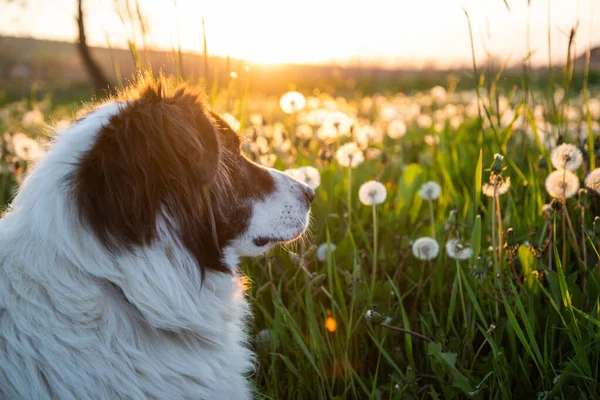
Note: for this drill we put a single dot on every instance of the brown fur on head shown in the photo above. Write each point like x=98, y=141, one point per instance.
x=165, y=154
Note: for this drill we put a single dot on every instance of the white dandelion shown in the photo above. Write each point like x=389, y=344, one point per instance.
x=592, y=181
x=26, y=148
x=295, y=173
x=425, y=248
x=231, y=121
x=456, y=250
x=430, y=190
x=372, y=193
x=562, y=184
x=312, y=177
x=322, y=251
x=337, y=124
x=307, y=175
x=349, y=155
x=396, y=129
x=566, y=156
x=33, y=117
x=304, y=131
x=498, y=187
x=292, y=102
x=431, y=140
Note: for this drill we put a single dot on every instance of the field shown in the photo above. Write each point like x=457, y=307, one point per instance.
x=472, y=271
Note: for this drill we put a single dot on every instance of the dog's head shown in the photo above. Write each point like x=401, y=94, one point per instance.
x=164, y=164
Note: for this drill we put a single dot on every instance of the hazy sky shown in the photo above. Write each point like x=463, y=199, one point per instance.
x=375, y=31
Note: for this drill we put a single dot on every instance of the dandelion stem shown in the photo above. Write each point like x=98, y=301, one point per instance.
x=583, y=243
x=499, y=215
x=412, y=333
x=374, y=272
x=421, y=284
x=495, y=255
x=349, y=197
x=432, y=218
x=564, y=222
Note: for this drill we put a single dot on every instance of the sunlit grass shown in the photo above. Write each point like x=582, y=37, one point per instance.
x=507, y=307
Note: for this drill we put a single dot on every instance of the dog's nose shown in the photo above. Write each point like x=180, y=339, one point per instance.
x=309, y=194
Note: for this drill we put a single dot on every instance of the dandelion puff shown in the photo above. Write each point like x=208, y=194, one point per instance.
x=292, y=102
x=592, y=181
x=372, y=193
x=396, y=129
x=425, y=248
x=349, y=155
x=295, y=173
x=562, y=184
x=498, y=187
x=456, y=250
x=231, y=121
x=338, y=123
x=430, y=190
x=33, y=117
x=26, y=148
x=566, y=156
x=263, y=337
x=304, y=131
x=322, y=251
x=312, y=177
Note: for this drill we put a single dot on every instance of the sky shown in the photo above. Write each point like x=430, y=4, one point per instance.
x=378, y=32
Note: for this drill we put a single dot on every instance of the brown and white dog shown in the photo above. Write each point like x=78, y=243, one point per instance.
x=119, y=255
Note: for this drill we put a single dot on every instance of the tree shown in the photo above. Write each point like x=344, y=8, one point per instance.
x=94, y=71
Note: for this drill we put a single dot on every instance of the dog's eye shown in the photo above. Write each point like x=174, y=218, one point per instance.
x=261, y=241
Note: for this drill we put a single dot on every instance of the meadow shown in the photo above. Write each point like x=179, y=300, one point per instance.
x=468, y=269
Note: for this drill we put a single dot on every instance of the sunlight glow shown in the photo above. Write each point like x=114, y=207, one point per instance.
x=382, y=33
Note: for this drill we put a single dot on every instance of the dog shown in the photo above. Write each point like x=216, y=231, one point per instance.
x=119, y=254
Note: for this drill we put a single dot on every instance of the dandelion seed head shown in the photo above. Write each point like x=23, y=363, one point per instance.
x=396, y=129
x=32, y=118
x=322, y=251
x=425, y=248
x=26, y=148
x=263, y=337
x=432, y=140
x=372, y=193
x=430, y=190
x=338, y=123
x=562, y=184
x=457, y=251
x=566, y=156
x=304, y=131
x=231, y=121
x=307, y=175
x=292, y=102
x=349, y=155
x=592, y=181
x=497, y=187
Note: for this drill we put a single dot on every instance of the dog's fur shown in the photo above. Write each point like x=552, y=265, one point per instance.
x=118, y=256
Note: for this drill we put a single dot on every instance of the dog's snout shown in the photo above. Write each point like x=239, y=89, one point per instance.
x=309, y=193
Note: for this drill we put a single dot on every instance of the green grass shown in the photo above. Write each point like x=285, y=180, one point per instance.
x=442, y=328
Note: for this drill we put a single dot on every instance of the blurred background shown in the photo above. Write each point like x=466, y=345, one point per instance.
x=66, y=45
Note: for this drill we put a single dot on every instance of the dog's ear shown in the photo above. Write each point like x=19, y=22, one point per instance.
x=155, y=157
